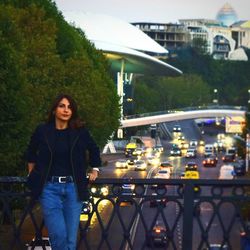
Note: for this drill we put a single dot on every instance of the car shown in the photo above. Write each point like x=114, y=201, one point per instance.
x=175, y=151
x=191, y=153
x=140, y=165
x=228, y=158
x=177, y=128
x=157, y=201
x=239, y=167
x=152, y=160
x=131, y=161
x=157, y=236
x=162, y=174
x=227, y=172
x=191, y=174
x=210, y=161
x=86, y=207
x=39, y=244
x=191, y=166
x=122, y=163
x=99, y=190
x=159, y=148
x=126, y=195
x=193, y=143
x=138, y=152
x=167, y=165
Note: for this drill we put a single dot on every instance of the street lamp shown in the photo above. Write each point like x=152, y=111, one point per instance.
x=215, y=100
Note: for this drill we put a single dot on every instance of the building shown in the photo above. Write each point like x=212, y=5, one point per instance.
x=223, y=36
x=169, y=35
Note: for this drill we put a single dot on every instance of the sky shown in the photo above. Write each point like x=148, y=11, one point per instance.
x=154, y=10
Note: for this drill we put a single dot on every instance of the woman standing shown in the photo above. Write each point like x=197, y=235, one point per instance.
x=58, y=156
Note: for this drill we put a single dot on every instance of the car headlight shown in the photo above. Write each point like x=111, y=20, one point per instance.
x=104, y=191
x=93, y=190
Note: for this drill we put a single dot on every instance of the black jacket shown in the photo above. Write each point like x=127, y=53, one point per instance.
x=41, y=149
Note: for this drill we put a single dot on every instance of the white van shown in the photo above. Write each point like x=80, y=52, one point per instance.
x=209, y=150
x=226, y=172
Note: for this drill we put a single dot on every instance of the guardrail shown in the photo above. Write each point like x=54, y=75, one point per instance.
x=193, y=213
x=227, y=107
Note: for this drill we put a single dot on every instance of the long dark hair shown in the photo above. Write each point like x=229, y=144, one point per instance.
x=74, y=121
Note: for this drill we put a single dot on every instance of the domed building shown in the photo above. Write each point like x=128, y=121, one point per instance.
x=227, y=15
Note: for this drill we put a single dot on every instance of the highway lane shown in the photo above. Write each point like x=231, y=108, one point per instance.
x=170, y=213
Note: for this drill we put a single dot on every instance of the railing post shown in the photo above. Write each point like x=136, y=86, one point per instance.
x=188, y=212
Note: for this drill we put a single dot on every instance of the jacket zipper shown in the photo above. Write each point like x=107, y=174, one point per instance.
x=72, y=165
x=50, y=162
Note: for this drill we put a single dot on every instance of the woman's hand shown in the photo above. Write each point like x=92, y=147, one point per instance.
x=93, y=175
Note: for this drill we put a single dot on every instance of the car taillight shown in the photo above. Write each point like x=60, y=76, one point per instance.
x=204, y=162
x=212, y=162
x=157, y=230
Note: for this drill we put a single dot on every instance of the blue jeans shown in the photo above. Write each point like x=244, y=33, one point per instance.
x=61, y=210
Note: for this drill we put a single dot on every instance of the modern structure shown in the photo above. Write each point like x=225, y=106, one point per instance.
x=227, y=15
x=127, y=48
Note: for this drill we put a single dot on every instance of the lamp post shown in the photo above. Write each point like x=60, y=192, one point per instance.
x=215, y=100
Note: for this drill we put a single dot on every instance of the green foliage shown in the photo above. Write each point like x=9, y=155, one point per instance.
x=166, y=93
x=40, y=56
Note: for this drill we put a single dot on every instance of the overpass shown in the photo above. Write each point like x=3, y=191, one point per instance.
x=185, y=114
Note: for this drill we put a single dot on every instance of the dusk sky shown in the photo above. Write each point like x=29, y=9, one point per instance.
x=155, y=10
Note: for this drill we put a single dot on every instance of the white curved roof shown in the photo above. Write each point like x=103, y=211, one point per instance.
x=122, y=42
x=98, y=27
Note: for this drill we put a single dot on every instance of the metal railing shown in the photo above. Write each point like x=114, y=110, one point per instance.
x=193, y=213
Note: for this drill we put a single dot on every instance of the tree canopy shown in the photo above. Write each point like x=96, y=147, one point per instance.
x=41, y=55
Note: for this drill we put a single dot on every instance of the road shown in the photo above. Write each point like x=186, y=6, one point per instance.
x=126, y=219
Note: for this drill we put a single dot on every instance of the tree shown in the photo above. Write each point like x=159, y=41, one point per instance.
x=36, y=65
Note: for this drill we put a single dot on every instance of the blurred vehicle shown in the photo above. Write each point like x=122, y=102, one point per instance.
x=167, y=165
x=138, y=152
x=99, y=190
x=159, y=148
x=122, y=163
x=193, y=143
x=177, y=128
x=86, y=207
x=152, y=160
x=228, y=158
x=130, y=148
x=191, y=153
x=175, y=151
x=210, y=161
x=184, y=145
x=140, y=165
x=39, y=244
x=131, y=161
x=163, y=174
x=182, y=175
x=209, y=150
x=191, y=174
x=227, y=172
x=126, y=195
x=191, y=166
x=239, y=167
x=157, y=201
x=232, y=151
x=181, y=138
x=157, y=236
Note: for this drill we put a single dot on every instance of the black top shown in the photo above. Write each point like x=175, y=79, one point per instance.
x=61, y=160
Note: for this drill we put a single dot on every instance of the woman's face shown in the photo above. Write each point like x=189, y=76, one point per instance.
x=63, y=111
